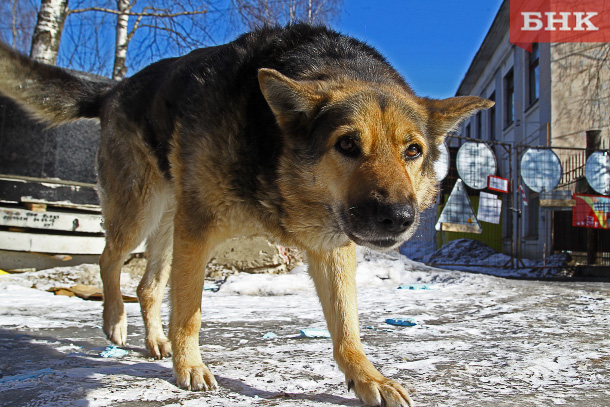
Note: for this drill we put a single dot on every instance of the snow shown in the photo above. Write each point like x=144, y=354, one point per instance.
x=480, y=341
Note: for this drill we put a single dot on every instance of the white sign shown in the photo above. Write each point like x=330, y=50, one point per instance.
x=475, y=163
x=441, y=166
x=498, y=184
x=541, y=169
x=597, y=171
x=490, y=208
x=458, y=211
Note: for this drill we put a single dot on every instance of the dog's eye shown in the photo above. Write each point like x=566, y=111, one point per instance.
x=413, y=151
x=347, y=146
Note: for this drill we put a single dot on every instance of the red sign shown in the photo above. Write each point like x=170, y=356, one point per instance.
x=591, y=211
x=497, y=184
x=558, y=21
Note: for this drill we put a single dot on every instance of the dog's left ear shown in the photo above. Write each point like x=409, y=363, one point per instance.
x=290, y=100
x=446, y=114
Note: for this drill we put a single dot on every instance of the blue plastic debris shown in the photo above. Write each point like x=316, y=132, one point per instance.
x=269, y=335
x=211, y=287
x=416, y=287
x=401, y=321
x=112, y=351
x=314, y=333
x=25, y=376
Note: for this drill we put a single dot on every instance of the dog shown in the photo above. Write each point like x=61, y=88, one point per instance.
x=298, y=133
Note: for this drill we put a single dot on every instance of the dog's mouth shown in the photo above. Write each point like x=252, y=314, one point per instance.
x=375, y=244
x=363, y=233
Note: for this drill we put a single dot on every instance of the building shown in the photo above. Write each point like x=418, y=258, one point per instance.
x=549, y=97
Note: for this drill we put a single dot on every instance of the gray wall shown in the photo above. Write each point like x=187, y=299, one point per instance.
x=30, y=148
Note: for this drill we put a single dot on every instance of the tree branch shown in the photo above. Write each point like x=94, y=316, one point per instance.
x=140, y=14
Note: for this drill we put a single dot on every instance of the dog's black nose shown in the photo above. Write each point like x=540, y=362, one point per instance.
x=395, y=218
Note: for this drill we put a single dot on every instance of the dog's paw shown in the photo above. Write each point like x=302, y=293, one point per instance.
x=159, y=346
x=115, y=327
x=195, y=378
x=380, y=392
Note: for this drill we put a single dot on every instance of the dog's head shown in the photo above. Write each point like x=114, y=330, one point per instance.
x=365, y=150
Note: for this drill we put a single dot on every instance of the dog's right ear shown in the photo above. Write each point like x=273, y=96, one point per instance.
x=290, y=100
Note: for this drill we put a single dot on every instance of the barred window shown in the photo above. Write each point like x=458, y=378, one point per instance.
x=534, y=75
x=509, y=98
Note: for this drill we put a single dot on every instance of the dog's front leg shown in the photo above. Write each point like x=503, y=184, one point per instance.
x=334, y=275
x=190, y=255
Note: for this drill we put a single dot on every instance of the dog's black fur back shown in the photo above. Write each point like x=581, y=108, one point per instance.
x=194, y=86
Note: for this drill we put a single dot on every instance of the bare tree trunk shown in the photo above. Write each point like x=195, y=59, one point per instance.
x=47, y=34
x=14, y=23
x=122, y=40
x=292, y=11
x=310, y=12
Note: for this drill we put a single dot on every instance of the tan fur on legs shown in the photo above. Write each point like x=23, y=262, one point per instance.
x=131, y=212
x=334, y=275
x=115, y=321
x=152, y=286
x=187, y=277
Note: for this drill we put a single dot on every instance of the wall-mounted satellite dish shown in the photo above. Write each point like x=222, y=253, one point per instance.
x=541, y=169
x=475, y=163
x=441, y=166
x=597, y=171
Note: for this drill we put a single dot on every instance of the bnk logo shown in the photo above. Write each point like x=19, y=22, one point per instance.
x=559, y=21
x=532, y=21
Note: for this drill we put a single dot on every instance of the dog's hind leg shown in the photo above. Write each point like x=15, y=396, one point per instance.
x=111, y=261
x=334, y=275
x=152, y=285
x=132, y=209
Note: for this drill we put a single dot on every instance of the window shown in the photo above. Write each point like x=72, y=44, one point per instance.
x=467, y=133
x=533, y=215
x=509, y=98
x=534, y=75
x=492, y=118
x=479, y=126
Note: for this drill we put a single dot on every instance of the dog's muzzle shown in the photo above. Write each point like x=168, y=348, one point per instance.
x=380, y=225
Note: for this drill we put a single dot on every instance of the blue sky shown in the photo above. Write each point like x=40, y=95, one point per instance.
x=431, y=43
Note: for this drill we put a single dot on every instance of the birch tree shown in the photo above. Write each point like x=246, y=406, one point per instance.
x=159, y=28
x=47, y=34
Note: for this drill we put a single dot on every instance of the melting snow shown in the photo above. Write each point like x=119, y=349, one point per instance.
x=479, y=341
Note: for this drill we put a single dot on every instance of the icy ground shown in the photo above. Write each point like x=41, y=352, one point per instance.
x=480, y=341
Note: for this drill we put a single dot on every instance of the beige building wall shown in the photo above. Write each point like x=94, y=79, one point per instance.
x=580, y=92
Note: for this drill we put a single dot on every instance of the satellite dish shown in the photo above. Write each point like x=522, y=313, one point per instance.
x=441, y=166
x=541, y=169
x=475, y=163
x=597, y=172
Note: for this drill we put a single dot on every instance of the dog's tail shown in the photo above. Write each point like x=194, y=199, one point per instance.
x=50, y=93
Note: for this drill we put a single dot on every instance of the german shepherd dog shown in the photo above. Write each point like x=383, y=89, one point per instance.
x=298, y=133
